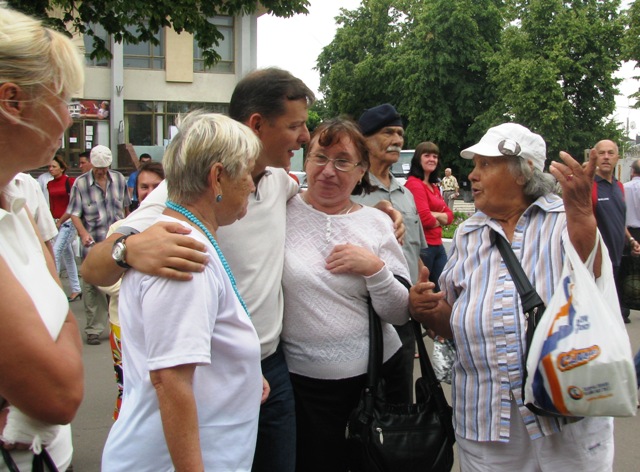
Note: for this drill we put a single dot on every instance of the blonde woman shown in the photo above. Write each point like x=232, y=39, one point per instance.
x=41, y=376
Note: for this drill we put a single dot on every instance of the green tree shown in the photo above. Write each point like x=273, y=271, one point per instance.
x=148, y=17
x=631, y=42
x=453, y=68
x=554, y=72
x=444, y=73
x=425, y=57
x=357, y=67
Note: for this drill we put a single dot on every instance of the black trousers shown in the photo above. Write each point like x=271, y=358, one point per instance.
x=322, y=411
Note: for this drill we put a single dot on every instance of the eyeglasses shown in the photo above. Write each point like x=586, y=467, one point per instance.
x=343, y=165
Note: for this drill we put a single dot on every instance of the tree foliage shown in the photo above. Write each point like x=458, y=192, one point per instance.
x=148, y=17
x=555, y=72
x=443, y=64
x=356, y=69
x=453, y=68
x=631, y=45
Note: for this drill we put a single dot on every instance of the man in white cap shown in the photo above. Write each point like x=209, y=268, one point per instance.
x=98, y=199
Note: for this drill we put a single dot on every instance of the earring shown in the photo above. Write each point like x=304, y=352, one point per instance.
x=218, y=198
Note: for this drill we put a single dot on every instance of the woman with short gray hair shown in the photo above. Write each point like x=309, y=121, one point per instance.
x=191, y=355
x=479, y=306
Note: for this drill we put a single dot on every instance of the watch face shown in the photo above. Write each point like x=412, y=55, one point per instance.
x=118, y=251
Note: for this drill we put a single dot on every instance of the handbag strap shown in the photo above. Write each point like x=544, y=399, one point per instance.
x=376, y=346
x=532, y=304
x=40, y=463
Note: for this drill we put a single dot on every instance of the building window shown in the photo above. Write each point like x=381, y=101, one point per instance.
x=149, y=123
x=226, y=48
x=99, y=32
x=144, y=55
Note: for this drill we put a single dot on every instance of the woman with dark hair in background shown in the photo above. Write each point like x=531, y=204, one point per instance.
x=338, y=254
x=59, y=189
x=432, y=209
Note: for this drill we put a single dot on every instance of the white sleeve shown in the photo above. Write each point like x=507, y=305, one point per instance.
x=147, y=213
x=38, y=206
x=42, y=216
x=389, y=297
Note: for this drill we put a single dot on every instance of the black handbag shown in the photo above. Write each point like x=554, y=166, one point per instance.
x=384, y=437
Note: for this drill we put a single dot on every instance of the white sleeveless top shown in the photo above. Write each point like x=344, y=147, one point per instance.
x=21, y=249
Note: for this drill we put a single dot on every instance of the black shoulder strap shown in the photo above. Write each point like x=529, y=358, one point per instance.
x=528, y=295
x=67, y=185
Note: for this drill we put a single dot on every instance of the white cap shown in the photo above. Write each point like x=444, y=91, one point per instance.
x=510, y=139
x=101, y=156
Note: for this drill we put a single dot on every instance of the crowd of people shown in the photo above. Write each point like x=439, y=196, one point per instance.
x=236, y=304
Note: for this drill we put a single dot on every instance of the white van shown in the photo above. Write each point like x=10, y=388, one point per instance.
x=400, y=169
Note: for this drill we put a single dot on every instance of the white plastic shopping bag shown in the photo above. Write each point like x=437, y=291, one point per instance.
x=580, y=361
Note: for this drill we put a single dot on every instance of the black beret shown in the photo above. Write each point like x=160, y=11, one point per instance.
x=377, y=118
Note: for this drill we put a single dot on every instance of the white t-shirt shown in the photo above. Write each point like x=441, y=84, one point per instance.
x=253, y=246
x=326, y=322
x=22, y=251
x=166, y=323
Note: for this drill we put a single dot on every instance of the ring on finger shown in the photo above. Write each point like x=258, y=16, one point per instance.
x=570, y=177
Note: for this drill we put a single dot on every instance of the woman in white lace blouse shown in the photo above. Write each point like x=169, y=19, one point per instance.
x=338, y=253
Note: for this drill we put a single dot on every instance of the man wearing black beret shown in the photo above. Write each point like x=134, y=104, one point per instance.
x=384, y=133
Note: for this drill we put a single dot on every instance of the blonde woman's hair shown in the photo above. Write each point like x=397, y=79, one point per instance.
x=36, y=58
x=203, y=140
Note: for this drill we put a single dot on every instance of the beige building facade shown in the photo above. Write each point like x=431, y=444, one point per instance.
x=135, y=97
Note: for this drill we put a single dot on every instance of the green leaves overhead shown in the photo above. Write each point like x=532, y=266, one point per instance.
x=148, y=16
x=453, y=68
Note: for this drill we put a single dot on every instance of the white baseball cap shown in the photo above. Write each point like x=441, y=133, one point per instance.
x=101, y=156
x=510, y=139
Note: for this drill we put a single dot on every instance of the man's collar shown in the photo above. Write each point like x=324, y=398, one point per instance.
x=393, y=182
x=599, y=178
x=92, y=177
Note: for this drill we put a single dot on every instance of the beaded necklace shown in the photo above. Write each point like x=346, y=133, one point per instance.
x=191, y=217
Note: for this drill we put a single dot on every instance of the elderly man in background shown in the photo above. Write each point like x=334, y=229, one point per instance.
x=98, y=199
x=610, y=209
x=450, y=188
x=384, y=134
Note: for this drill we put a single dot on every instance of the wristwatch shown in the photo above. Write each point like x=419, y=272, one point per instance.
x=119, y=251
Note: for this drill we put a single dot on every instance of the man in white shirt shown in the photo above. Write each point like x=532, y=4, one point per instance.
x=273, y=103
